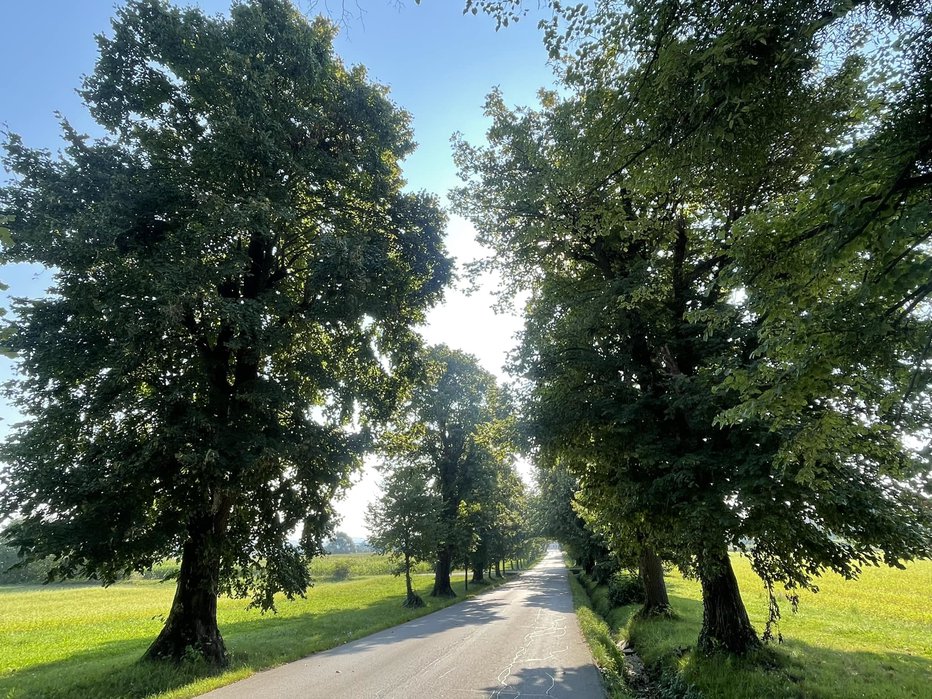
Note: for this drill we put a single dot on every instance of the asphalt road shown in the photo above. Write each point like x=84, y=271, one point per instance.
x=518, y=640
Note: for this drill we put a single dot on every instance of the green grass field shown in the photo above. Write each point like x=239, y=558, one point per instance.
x=351, y=565
x=84, y=641
x=869, y=638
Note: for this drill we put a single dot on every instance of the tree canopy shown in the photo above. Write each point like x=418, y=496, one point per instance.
x=457, y=425
x=340, y=542
x=404, y=522
x=237, y=272
x=724, y=235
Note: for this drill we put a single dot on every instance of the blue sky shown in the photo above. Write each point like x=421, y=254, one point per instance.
x=439, y=63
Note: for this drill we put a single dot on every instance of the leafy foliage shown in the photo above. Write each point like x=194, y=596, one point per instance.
x=710, y=382
x=14, y=571
x=404, y=521
x=236, y=275
x=457, y=428
x=558, y=519
x=340, y=542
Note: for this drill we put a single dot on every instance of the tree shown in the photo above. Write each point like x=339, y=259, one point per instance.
x=403, y=522
x=340, y=542
x=493, y=509
x=5, y=241
x=450, y=424
x=591, y=535
x=236, y=276
x=509, y=508
x=838, y=274
x=638, y=212
x=556, y=520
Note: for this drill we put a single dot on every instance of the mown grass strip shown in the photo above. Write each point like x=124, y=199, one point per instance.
x=64, y=642
x=608, y=658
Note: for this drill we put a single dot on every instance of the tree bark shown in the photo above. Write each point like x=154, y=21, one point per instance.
x=192, y=622
x=453, y=446
x=498, y=568
x=412, y=599
x=479, y=563
x=725, y=623
x=650, y=568
x=442, y=586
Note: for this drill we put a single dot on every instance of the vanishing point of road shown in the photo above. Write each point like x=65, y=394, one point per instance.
x=517, y=640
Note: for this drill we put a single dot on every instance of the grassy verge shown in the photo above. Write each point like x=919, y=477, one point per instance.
x=608, y=658
x=82, y=641
x=869, y=638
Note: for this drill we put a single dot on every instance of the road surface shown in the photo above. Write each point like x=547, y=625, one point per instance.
x=518, y=640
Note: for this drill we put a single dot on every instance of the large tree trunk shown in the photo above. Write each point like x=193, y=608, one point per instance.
x=650, y=568
x=725, y=623
x=498, y=568
x=442, y=586
x=192, y=622
x=479, y=563
x=448, y=468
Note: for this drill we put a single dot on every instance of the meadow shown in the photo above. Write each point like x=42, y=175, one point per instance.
x=80, y=641
x=868, y=638
x=340, y=566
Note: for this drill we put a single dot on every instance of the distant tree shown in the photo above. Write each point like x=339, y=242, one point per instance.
x=557, y=520
x=492, y=500
x=450, y=424
x=237, y=272
x=14, y=570
x=507, y=507
x=404, y=521
x=340, y=542
x=473, y=531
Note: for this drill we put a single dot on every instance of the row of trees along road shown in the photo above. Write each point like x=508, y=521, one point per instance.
x=237, y=273
x=721, y=220
x=722, y=224
x=451, y=491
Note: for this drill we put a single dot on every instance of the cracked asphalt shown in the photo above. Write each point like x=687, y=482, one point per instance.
x=518, y=640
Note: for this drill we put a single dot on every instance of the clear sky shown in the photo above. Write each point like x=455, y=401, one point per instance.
x=439, y=64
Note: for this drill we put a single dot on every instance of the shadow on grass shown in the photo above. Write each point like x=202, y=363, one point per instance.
x=114, y=669
x=110, y=669
x=791, y=669
x=828, y=672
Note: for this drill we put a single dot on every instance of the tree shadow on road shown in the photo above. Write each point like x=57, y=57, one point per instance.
x=581, y=682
